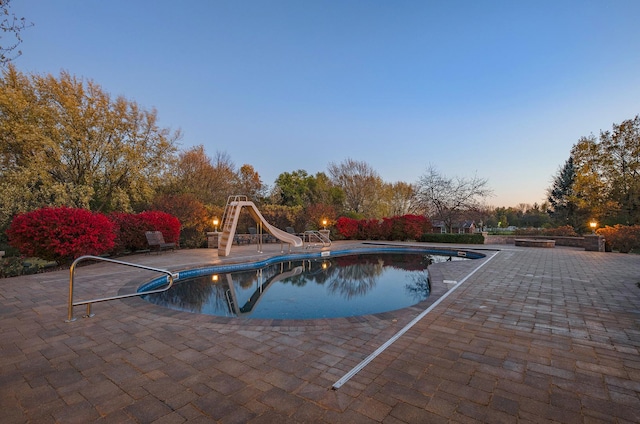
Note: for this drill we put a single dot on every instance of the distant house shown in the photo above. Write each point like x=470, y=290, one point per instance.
x=463, y=227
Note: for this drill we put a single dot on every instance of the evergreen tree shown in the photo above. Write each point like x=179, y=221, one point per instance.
x=563, y=208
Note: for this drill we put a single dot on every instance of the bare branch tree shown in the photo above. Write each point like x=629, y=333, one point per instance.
x=10, y=24
x=361, y=185
x=447, y=199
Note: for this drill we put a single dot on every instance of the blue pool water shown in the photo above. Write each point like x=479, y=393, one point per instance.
x=315, y=287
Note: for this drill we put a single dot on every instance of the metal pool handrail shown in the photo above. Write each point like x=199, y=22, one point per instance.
x=72, y=271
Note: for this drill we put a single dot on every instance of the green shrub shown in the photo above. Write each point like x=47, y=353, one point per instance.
x=565, y=231
x=12, y=266
x=453, y=238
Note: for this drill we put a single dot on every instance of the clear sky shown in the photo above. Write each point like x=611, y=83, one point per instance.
x=497, y=89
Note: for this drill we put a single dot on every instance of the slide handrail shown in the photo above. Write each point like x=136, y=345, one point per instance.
x=326, y=241
x=72, y=271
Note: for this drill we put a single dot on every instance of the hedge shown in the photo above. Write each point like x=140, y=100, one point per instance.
x=63, y=234
x=453, y=238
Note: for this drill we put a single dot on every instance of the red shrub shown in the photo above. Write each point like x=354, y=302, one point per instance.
x=412, y=227
x=347, y=227
x=168, y=224
x=129, y=230
x=369, y=229
x=406, y=227
x=61, y=234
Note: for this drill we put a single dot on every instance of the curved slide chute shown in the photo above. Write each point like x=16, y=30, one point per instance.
x=234, y=207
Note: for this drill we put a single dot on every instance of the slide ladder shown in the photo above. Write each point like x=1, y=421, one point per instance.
x=230, y=223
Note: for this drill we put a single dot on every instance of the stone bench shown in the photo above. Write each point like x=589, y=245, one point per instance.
x=535, y=243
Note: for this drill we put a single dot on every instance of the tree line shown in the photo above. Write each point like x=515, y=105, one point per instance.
x=67, y=142
x=600, y=181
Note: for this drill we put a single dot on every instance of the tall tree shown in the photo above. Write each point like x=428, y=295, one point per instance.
x=621, y=167
x=563, y=207
x=591, y=188
x=65, y=141
x=361, y=185
x=249, y=183
x=292, y=188
x=211, y=181
x=448, y=199
x=399, y=199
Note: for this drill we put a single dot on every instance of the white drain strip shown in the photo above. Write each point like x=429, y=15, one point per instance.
x=406, y=328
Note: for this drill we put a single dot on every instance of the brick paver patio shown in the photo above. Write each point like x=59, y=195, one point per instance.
x=534, y=335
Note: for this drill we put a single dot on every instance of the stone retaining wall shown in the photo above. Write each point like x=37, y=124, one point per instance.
x=584, y=242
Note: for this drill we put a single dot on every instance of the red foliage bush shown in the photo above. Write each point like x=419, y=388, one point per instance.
x=347, y=227
x=622, y=238
x=406, y=227
x=414, y=226
x=129, y=229
x=168, y=224
x=61, y=234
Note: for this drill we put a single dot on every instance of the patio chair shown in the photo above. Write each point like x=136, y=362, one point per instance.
x=157, y=243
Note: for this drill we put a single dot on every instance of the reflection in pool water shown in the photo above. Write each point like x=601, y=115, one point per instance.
x=312, y=288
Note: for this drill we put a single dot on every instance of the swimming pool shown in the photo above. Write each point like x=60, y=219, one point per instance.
x=320, y=285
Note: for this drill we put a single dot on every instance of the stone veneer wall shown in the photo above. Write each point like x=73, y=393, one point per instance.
x=560, y=241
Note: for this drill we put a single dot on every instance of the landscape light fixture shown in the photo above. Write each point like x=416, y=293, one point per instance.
x=324, y=223
x=215, y=224
x=593, y=225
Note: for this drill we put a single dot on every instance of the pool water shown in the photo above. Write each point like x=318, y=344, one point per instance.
x=333, y=287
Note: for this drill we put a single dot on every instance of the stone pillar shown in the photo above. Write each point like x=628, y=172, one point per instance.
x=212, y=239
x=594, y=243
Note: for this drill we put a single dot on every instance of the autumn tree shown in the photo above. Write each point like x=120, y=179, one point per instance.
x=591, y=188
x=249, y=183
x=398, y=199
x=601, y=180
x=211, y=181
x=361, y=185
x=621, y=168
x=448, y=199
x=65, y=141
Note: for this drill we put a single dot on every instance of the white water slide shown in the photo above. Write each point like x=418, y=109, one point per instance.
x=230, y=222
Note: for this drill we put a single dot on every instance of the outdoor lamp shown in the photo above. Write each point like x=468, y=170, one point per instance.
x=324, y=223
x=593, y=225
x=215, y=223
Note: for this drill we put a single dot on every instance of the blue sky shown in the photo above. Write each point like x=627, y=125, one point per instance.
x=497, y=89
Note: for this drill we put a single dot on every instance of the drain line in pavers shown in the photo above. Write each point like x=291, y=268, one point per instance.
x=406, y=328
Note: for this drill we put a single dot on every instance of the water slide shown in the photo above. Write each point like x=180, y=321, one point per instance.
x=247, y=308
x=234, y=207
